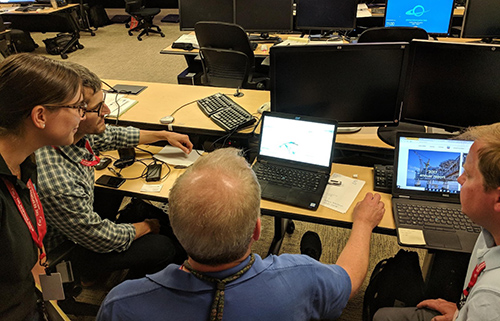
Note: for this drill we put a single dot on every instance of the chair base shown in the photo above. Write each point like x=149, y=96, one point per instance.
x=146, y=26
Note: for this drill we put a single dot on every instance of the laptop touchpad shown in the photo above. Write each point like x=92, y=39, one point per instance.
x=442, y=239
x=278, y=192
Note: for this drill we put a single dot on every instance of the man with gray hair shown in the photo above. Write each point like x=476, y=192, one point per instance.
x=215, y=214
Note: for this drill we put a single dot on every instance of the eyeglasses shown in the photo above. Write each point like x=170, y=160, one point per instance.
x=97, y=109
x=81, y=107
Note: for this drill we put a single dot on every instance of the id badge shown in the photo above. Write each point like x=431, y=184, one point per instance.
x=52, y=287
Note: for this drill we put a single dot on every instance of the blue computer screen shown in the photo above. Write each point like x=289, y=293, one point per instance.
x=434, y=16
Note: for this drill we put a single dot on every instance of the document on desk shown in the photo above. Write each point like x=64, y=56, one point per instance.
x=363, y=11
x=117, y=102
x=188, y=38
x=174, y=156
x=340, y=197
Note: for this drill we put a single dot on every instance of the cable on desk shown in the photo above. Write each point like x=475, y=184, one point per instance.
x=186, y=104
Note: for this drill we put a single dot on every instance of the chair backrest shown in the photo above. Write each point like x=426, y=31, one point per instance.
x=392, y=34
x=225, y=68
x=222, y=35
x=133, y=6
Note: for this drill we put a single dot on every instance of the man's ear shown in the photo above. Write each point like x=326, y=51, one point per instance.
x=497, y=200
x=256, y=231
x=39, y=116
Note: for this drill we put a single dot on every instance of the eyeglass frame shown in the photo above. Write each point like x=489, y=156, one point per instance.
x=99, y=105
x=82, y=107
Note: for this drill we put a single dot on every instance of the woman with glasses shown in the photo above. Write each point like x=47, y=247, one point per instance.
x=41, y=103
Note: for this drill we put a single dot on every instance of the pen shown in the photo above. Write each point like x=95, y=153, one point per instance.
x=112, y=170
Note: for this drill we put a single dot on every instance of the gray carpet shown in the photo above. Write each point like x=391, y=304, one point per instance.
x=113, y=54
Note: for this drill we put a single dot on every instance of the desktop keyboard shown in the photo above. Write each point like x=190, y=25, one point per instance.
x=223, y=111
x=435, y=218
x=308, y=181
x=382, y=178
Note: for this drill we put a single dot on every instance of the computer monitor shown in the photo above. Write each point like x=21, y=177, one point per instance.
x=326, y=14
x=21, y=2
x=356, y=84
x=481, y=19
x=452, y=85
x=264, y=15
x=192, y=11
x=434, y=16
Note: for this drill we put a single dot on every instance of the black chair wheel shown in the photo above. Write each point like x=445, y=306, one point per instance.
x=290, y=228
x=127, y=25
x=130, y=33
x=80, y=46
x=92, y=33
x=139, y=38
x=162, y=35
x=64, y=56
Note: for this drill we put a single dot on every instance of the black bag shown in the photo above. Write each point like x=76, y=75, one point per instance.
x=21, y=41
x=395, y=282
x=98, y=16
x=55, y=45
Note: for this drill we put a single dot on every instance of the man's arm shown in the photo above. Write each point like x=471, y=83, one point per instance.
x=177, y=140
x=355, y=255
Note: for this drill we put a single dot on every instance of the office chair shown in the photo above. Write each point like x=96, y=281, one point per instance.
x=392, y=34
x=144, y=17
x=227, y=56
x=6, y=48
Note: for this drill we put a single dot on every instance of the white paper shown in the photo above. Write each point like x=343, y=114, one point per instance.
x=174, y=156
x=363, y=11
x=341, y=197
x=153, y=188
x=411, y=236
x=188, y=38
x=113, y=101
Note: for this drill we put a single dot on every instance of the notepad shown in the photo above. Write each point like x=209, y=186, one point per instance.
x=118, y=104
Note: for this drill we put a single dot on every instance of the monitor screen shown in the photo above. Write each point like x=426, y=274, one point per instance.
x=434, y=16
x=326, y=14
x=452, y=85
x=356, y=84
x=192, y=11
x=23, y=2
x=481, y=19
x=264, y=15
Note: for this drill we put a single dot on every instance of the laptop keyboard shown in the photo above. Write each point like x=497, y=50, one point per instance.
x=435, y=218
x=290, y=177
x=223, y=111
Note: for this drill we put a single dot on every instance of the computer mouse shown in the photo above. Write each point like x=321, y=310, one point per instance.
x=167, y=119
x=265, y=107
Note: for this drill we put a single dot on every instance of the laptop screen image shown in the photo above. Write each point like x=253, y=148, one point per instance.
x=297, y=140
x=430, y=165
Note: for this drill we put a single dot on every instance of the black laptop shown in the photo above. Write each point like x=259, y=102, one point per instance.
x=295, y=158
x=426, y=193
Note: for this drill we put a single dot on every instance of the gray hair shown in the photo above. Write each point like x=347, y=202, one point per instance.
x=214, y=207
x=89, y=78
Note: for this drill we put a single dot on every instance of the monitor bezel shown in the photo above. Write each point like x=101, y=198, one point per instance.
x=433, y=34
x=305, y=27
x=400, y=91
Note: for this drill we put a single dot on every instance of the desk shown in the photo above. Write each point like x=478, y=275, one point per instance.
x=47, y=20
x=323, y=215
x=160, y=99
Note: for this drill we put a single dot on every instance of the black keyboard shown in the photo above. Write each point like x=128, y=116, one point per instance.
x=435, y=218
x=382, y=178
x=305, y=180
x=223, y=111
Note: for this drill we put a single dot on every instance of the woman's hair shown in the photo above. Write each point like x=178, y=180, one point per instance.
x=28, y=80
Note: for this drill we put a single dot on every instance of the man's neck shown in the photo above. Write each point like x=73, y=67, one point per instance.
x=78, y=137
x=216, y=268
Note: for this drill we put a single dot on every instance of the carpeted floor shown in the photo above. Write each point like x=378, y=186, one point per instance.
x=113, y=54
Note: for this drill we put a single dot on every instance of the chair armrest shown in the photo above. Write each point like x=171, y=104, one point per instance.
x=60, y=253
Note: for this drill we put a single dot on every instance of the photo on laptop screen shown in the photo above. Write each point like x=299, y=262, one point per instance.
x=434, y=16
x=431, y=164
x=297, y=140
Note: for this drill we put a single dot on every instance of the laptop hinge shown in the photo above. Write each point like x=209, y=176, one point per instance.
x=404, y=196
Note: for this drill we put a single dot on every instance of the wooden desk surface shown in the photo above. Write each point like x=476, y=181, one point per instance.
x=160, y=100
x=45, y=10
x=323, y=215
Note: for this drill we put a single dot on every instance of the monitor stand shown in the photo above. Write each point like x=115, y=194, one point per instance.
x=389, y=134
x=348, y=130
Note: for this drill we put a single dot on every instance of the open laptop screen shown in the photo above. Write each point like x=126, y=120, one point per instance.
x=298, y=140
x=430, y=165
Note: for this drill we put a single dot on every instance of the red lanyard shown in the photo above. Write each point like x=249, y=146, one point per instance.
x=85, y=162
x=473, y=279
x=37, y=208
